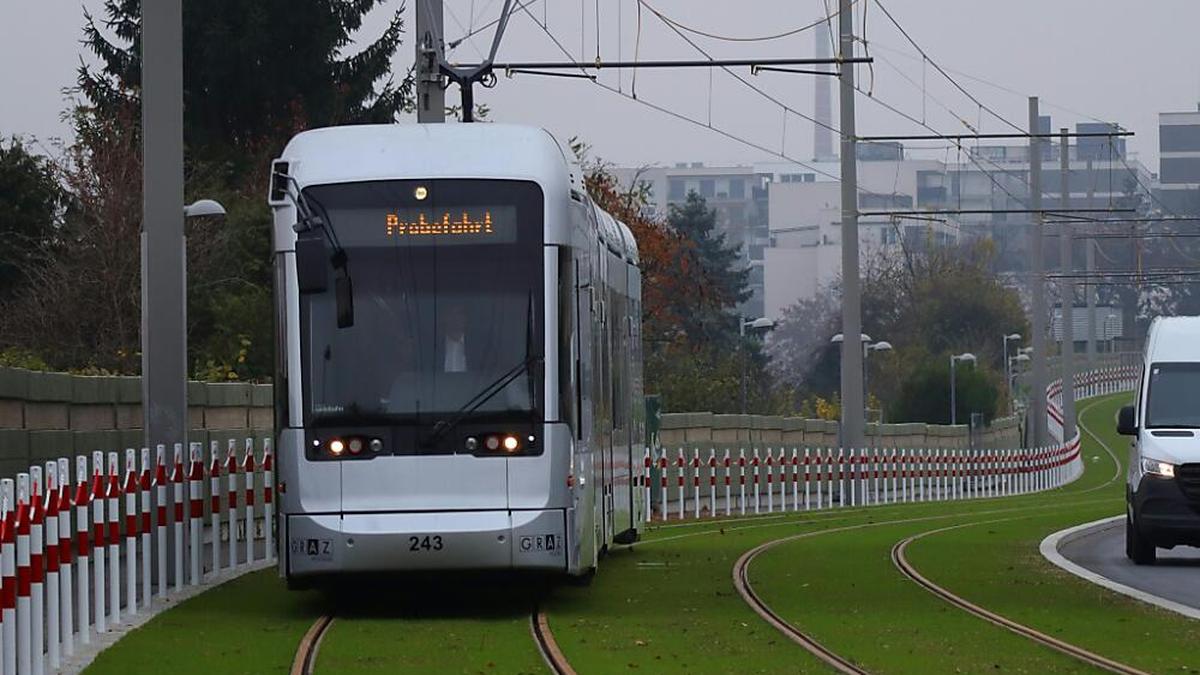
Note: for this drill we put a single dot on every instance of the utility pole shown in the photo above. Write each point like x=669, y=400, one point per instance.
x=1037, y=404
x=852, y=353
x=1090, y=288
x=431, y=97
x=1066, y=261
x=164, y=292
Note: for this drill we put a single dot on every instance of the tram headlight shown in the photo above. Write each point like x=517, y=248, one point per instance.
x=511, y=443
x=492, y=443
x=337, y=447
x=377, y=445
x=356, y=446
x=472, y=444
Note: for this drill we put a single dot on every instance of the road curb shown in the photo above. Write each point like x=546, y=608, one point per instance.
x=1050, y=551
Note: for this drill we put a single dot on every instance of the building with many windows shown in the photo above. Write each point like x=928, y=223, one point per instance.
x=1179, y=162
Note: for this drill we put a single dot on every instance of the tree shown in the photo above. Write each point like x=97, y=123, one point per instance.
x=718, y=280
x=255, y=73
x=928, y=304
x=33, y=205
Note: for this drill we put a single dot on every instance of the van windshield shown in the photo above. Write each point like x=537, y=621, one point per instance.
x=1174, y=396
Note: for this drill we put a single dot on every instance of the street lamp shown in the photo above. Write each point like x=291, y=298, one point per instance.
x=202, y=208
x=1007, y=337
x=964, y=357
x=868, y=347
x=759, y=324
x=1011, y=383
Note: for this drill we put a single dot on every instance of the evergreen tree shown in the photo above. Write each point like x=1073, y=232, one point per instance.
x=32, y=206
x=719, y=280
x=256, y=72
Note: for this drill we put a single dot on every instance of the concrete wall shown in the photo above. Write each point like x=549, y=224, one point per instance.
x=49, y=415
x=688, y=429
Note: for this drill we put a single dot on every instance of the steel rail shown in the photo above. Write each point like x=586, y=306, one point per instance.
x=907, y=569
x=543, y=637
x=306, y=653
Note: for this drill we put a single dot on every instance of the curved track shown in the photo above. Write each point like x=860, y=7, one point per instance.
x=306, y=653
x=906, y=568
x=305, y=660
x=544, y=638
x=742, y=583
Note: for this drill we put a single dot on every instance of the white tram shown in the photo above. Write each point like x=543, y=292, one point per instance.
x=460, y=360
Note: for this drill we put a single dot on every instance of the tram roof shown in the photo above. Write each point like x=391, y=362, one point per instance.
x=398, y=151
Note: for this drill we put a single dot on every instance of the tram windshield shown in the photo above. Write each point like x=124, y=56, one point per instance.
x=448, y=287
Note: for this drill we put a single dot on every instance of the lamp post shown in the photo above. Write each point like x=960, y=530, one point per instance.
x=1007, y=338
x=868, y=347
x=762, y=323
x=965, y=357
x=1011, y=382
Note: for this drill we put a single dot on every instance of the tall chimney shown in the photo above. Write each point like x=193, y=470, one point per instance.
x=822, y=135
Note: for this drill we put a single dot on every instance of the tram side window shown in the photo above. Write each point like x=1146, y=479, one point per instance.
x=620, y=358
x=282, y=409
x=568, y=340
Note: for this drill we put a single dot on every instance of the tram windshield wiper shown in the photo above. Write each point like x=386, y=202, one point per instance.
x=444, y=427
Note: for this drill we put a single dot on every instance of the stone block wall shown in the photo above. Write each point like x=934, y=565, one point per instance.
x=686, y=429
x=44, y=416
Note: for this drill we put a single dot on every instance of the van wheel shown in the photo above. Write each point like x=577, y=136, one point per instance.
x=1137, y=548
x=583, y=580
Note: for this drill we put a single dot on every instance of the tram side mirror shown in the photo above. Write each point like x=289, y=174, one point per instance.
x=312, y=262
x=1125, y=423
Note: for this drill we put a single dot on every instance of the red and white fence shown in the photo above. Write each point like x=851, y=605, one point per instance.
x=766, y=478
x=61, y=583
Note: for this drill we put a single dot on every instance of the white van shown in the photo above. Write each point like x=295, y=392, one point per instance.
x=1162, y=494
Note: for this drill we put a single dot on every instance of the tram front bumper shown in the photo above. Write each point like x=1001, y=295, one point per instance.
x=321, y=544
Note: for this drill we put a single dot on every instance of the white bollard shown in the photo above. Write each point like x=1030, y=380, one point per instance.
x=755, y=463
x=796, y=479
x=114, y=538
x=679, y=469
x=214, y=479
x=662, y=479
x=24, y=602
x=99, y=608
x=196, y=503
x=807, y=479
x=146, y=528
x=37, y=570
x=728, y=470
x=712, y=482
x=696, y=482
x=53, y=639
x=83, y=523
x=742, y=479
x=8, y=564
x=269, y=498
x=770, y=482
x=66, y=615
x=231, y=468
x=248, y=467
x=177, y=477
x=841, y=461
x=131, y=530
x=646, y=461
x=160, y=514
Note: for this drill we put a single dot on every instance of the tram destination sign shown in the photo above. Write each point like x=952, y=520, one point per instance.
x=450, y=226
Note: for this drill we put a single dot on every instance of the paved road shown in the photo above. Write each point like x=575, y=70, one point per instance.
x=1176, y=576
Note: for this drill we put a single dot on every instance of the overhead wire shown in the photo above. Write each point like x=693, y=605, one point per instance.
x=760, y=38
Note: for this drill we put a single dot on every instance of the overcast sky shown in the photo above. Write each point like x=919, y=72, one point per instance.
x=1119, y=60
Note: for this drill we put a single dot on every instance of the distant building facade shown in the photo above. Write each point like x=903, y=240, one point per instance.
x=1179, y=162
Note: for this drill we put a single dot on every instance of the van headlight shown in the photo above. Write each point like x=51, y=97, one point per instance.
x=1158, y=468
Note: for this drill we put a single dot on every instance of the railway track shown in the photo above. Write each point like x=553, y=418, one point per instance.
x=304, y=663
x=907, y=569
x=306, y=653
x=539, y=627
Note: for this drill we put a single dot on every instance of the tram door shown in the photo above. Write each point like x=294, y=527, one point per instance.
x=605, y=379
